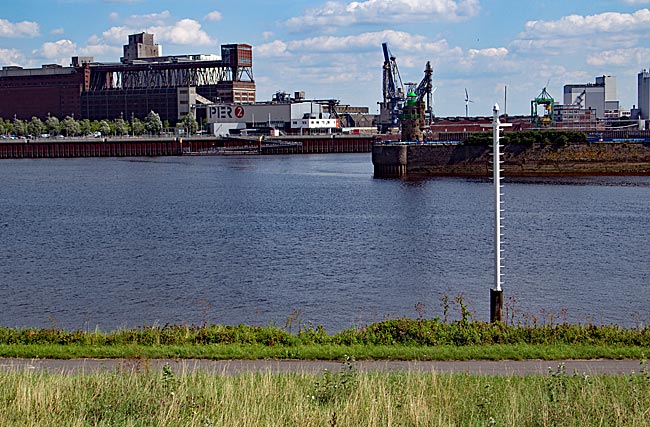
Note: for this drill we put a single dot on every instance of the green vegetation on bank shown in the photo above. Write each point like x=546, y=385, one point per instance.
x=138, y=396
x=69, y=126
x=555, y=138
x=402, y=338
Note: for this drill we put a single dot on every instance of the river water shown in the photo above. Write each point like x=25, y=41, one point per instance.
x=126, y=242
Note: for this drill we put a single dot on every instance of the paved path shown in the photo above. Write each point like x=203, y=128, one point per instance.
x=232, y=367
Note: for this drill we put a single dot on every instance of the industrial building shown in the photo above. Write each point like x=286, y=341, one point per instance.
x=143, y=81
x=599, y=96
x=574, y=117
x=643, y=93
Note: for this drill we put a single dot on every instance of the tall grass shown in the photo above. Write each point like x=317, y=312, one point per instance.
x=140, y=397
x=519, y=336
x=430, y=332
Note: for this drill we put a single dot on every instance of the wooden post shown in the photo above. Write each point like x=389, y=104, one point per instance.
x=496, y=305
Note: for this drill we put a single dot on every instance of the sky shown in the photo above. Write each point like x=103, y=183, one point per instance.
x=332, y=49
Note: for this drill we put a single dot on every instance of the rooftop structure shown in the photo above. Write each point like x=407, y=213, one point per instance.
x=140, y=46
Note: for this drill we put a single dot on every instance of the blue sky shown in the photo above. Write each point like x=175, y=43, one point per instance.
x=332, y=49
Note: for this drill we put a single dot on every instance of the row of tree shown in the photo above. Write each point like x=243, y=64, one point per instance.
x=151, y=125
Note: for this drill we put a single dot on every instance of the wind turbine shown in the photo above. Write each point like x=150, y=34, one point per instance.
x=467, y=101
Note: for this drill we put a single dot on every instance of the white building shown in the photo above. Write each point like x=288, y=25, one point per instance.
x=599, y=96
x=296, y=117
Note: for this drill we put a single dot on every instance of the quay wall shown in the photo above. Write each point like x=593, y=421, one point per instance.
x=135, y=147
x=326, y=144
x=519, y=160
x=100, y=148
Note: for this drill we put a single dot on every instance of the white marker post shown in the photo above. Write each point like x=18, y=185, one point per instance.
x=496, y=294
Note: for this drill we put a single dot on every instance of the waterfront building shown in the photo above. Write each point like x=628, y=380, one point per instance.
x=299, y=116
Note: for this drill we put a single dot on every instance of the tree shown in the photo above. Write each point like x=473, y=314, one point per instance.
x=85, y=127
x=36, y=127
x=138, y=127
x=70, y=126
x=20, y=128
x=8, y=127
x=121, y=126
x=152, y=123
x=189, y=123
x=53, y=125
x=104, y=127
x=3, y=131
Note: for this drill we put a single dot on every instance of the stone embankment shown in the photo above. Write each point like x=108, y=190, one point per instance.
x=519, y=160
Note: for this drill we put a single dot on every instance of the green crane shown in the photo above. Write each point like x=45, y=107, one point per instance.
x=548, y=102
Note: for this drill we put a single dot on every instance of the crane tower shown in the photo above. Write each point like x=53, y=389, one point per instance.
x=393, y=93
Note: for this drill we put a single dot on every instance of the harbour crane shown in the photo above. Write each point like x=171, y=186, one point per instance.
x=393, y=92
x=425, y=90
x=580, y=98
x=545, y=99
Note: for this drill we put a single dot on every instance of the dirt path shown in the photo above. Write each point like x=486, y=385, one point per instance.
x=233, y=367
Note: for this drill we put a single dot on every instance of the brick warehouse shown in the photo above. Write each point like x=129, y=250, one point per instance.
x=141, y=82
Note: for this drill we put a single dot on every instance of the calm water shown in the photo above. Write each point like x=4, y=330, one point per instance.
x=130, y=242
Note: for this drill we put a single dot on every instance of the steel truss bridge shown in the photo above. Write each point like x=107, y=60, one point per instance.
x=161, y=75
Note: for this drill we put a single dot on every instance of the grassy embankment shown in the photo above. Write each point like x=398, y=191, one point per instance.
x=346, y=398
x=404, y=339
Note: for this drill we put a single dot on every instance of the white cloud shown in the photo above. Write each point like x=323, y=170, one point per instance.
x=355, y=43
x=337, y=14
x=577, y=25
x=274, y=49
x=118, y=35
x=99, y=50
x=18, y=29
x=183, y=32
x=58, y=52
x=267, y=35
x=114, y=16
x=12, y=57
x=214, y=16
x=636, y=1
x=151, y=19
x=493, y=52
x=57, y=49
x=57, y=31
x=621, y=57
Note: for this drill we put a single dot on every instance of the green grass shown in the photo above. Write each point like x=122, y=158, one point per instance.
x=346, y=398
x=403, y=338
x=324, y=352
